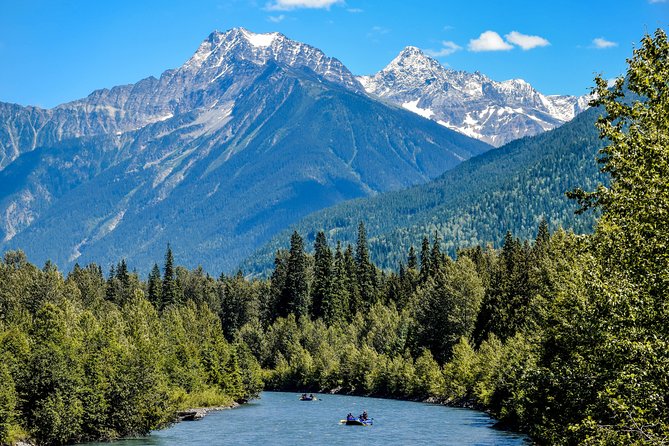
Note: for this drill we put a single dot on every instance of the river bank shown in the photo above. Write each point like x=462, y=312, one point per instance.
x=280, y=418
x=184, y=415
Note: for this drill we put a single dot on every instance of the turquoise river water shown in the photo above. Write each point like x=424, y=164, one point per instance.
x=279, y=418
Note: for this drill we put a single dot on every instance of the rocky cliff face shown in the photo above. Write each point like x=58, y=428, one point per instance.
x=224, y=64
x=470, y=103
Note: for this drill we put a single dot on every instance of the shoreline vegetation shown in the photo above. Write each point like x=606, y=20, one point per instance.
x=82, y=368
x=191, y=414
x=564, y=338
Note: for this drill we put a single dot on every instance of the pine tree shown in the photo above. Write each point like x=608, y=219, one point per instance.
x=238, y=304
x=361, y=248
x=15, y=259
x=124, y=291
x=122, y=274
x=366, y=271
x=155, y=287
x=509, y=254
x=296, y=290
x=448, y=306
x=113, y=290
x=339, y=307
x=509, y=292
x=425, y=255
x=543, y=237
x=351, y=277
x=169, y=291
x=321, y=296
x=277, y=306
x=436, y=259
x=412, y=261
x=394, y=291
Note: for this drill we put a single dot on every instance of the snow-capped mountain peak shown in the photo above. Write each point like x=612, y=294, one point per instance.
x=221, y=52
x=471, y=103
x=222, y=66
x=411, y=66
x=412, y=56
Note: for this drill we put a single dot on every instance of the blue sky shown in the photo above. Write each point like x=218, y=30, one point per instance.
x=59, y=50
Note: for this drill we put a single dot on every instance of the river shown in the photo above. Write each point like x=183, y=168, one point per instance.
x=279, y=418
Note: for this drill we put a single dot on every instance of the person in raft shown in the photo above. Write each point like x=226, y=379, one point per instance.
x=363, y=417
x=350, y=417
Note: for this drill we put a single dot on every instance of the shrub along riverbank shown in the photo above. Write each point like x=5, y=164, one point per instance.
x=565, y=337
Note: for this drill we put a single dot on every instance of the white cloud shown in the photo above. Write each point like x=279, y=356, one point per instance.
x=285, y=5
x=447, y=48
x=657, y=1
x=377, y=31
x=601, y=43
x=489, y=41
x=355, y=10
x=526, y=42
x=276, y=18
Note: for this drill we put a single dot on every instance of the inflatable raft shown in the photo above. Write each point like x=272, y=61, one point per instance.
x=358, y=422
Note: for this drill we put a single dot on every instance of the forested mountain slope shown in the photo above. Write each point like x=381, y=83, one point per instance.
x=511, y=188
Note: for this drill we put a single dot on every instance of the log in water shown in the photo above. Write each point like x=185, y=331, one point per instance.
x=281, y=419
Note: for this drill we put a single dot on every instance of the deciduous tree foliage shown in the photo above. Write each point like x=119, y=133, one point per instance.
x=79, y=363
x=630, y=254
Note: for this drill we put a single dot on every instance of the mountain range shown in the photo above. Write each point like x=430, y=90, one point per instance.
x=470, y=103
x=251, y=134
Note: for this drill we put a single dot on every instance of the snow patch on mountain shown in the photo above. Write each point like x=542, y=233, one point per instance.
x=112, y=223
x=259, y=40
x=76, y=250
x=413, y=106
x=212, y=120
